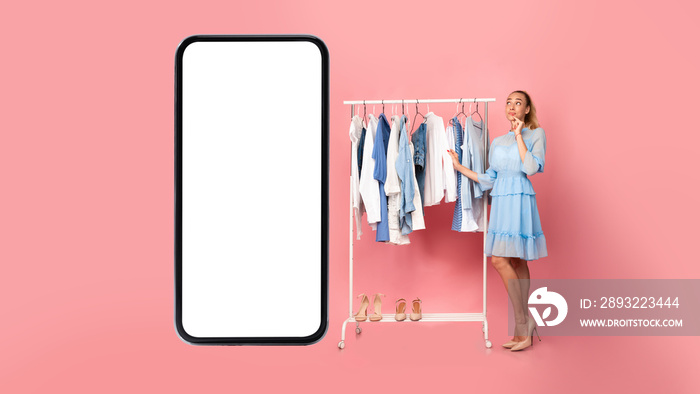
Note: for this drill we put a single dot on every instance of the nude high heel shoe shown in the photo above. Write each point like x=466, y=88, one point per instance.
x=377, y=315
x=416, y=312
x=362, y=312
x=531, y=325
x=510, y=344
x=400, y=310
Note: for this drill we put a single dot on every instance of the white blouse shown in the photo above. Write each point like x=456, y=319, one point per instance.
x=369, y=187
x=356, y=126
x=440, y=177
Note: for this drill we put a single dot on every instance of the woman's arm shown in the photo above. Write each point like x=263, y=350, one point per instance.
x=459, y=167
x=522, y=149
x=532, y=161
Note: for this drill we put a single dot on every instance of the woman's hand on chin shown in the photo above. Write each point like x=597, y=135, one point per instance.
x=516, y=125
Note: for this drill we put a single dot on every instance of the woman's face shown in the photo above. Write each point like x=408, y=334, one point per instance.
x=516, y=106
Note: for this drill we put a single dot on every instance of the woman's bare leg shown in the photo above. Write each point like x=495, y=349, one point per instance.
x=523, y=273
x=507, y=272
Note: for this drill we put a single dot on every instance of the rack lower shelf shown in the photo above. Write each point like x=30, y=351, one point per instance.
x=426, y=318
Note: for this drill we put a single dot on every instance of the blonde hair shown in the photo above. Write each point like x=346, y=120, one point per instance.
x=530, y=121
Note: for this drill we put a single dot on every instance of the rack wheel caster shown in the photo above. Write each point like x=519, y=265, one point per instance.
x=341, y=345
x=358, y=330
x=488, y=344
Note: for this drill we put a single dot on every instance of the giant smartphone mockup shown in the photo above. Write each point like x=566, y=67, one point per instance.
x=251, y=190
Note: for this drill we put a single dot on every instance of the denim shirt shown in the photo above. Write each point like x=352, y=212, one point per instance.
x=418, y=139
x=381, y=142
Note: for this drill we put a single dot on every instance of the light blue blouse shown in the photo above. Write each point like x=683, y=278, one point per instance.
x=404, y=167
x=501, y=160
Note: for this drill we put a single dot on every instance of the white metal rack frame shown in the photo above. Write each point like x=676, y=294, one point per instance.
x=427, y=317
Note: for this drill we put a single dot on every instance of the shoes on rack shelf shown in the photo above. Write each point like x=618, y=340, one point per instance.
x=416, y=312
x=377, y=315
x=400, y=310
x=362, y=312
x=531, y=325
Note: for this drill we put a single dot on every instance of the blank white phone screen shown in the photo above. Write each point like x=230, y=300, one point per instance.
x=251, y=189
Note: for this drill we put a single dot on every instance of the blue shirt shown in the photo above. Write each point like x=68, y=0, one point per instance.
x=381, y=141
x=418, y=139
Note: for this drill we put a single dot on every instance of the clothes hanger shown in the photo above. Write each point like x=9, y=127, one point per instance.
x=364, y=111
x=403, y=110
x=462, y=112
x=407, y=114
x=416, y=116
x=477, y=112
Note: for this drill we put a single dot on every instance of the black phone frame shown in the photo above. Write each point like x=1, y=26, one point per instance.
x=325, y=127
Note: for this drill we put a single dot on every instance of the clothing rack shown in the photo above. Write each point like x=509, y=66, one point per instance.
x=427, y=317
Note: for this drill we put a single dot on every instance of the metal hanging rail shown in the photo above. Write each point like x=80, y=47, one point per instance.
x=427, y=317
x=429, y=101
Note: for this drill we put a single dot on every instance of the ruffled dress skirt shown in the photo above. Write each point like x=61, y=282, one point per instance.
x=514, y=224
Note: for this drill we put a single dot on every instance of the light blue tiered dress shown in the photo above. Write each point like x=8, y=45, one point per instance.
x=514, y=224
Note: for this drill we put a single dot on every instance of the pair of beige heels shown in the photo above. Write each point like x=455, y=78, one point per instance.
x=416, y=313
x=364, y=305
x=416, y=310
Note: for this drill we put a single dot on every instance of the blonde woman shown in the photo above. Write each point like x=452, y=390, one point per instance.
x=514, y=234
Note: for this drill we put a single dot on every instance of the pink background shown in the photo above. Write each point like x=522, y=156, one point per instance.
x=86, y=104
